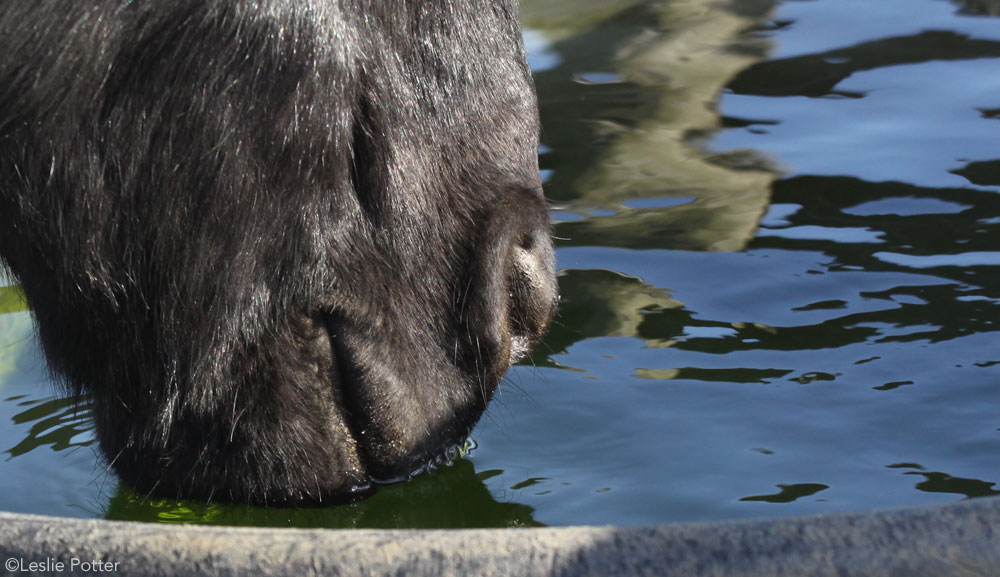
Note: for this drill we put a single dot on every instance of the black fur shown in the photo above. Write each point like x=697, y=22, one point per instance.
x=289, y=247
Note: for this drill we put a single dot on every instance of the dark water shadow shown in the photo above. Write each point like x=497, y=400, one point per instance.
x=826, y=201
x=453, y=497
x=790, y=493
x=816, y=75
x=58, y=423
x=945, y=483
x=938, y=482
x=978, y=7
x=982, y=173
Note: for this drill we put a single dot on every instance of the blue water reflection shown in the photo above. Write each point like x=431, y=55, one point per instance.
x=844, y=357
x=902, y=127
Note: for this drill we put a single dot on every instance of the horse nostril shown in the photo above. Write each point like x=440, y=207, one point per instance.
x=532, y=289
x=513, y=291
x=526, y=242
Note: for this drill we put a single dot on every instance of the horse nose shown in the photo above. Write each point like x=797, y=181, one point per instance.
x=531, y=284
x=517, y=280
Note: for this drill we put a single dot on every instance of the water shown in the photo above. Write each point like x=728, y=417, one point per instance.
x=779, y=233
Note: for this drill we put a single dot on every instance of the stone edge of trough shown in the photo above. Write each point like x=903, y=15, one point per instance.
x=951, y=540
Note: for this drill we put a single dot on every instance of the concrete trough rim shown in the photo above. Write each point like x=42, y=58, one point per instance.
x=948, y=540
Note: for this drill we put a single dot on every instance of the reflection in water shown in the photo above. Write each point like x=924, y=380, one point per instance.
x=58, y=423
x=979, y=7
x=12, y=300
x=832, y=203
x=453, y=497
x=876, y=298
x=790, y=493
x=893, y=385
x=624, y=112
x=598, y=303
x=944, y=483
x=983, y=173
x=818, y=74
x=733, y=375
